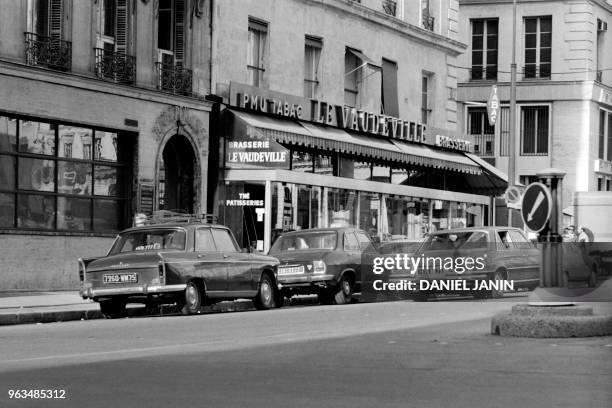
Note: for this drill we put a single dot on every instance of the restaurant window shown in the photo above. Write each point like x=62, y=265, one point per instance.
x=312, y=57
x=538, y=46
x=256, y=51
x=341, y=207
x=324, y=164
x=534, y=130
x=302, y=161
x=484, y=49
x=69, y=188
x=481, y=131
x=352, y=77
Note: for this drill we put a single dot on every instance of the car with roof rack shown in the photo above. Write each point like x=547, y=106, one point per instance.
x=183, y=259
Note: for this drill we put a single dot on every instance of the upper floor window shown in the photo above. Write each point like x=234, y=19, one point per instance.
x=171, y=32
x=256, y=52
x=538, y=45
x=534, y=130
x=484, y=49
x=427, y=18
x=45, y=44
x=482, y=132
x=605, y=135
x=312, y=57
x=389, y=88
x=425, y=99
x=352, y=77
x=112, y=61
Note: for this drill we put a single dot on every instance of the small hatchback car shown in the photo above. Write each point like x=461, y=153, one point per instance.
x=326, y=262
x=184, y=259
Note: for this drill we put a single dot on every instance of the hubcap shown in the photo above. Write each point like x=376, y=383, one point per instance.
x=266, y=292
x=346, y=288
x=192, y=295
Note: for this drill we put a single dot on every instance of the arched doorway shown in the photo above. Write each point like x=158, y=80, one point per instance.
x=177, y=175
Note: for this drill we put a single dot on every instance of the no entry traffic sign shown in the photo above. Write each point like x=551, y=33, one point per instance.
x=536, y=206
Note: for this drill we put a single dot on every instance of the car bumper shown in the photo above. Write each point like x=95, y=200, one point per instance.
x=305, y=280
x=91, y=292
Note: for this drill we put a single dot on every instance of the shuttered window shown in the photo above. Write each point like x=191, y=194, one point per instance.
x=113, y=35
x=171, y=32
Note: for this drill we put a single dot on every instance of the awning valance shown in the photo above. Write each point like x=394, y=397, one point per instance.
x=334, y=139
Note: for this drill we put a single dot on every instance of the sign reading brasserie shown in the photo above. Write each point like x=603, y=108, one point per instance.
x=340, y=116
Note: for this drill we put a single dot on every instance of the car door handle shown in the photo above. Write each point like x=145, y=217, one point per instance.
x=201, y=255
x=225, y=256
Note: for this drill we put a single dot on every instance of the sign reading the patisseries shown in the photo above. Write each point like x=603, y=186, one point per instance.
x=293, y=107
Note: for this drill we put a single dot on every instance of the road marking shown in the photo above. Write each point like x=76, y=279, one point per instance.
x=536, y=205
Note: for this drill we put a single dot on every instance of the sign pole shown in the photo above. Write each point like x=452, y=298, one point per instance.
x=512, y=128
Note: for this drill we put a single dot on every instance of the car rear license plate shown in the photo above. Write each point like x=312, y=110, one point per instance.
x=291, y=270
x=120, y=278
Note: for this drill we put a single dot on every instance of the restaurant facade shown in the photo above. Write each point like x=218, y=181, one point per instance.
x=290, y=163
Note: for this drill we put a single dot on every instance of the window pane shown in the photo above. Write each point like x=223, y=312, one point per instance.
x=492, y=27
x=491, y=57
x=105, y=180
x=74, y=178
x=477, y=58
x=7, y=172
x=545, y=40
x=530, y=56
x=7, y=210
x=491, y=42
x=531, y=41
x=602, y=125
x=35, y=211
x=546, y=24
x=323, y=165
x=8, y=134
x=477, y=42
x=204, y=240
x=107, y=215
x=224, y=241
x=545, y=55
x=478, y=27
x=36, y=174
x=35, y=137
x=73, y=213
x=73, y=142
x=542, y=130
x=531, y=25
x=105, y=146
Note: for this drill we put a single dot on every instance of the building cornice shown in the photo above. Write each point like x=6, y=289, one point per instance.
x=78, y=81
x=602, y=3
x=396, y=25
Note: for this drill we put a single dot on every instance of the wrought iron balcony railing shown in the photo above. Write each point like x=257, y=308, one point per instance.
x=390, y=7
x=48, y=52
x=481, y=73
x=428, y=22
x=541, y=71
x=484, y=145
x=115, y=66
x=174, y=79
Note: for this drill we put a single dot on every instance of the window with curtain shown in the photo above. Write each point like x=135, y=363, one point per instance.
x=389, y=88
x=312, y=57
x=256, y=51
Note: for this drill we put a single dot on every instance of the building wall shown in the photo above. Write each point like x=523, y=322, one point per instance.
x=341, y=24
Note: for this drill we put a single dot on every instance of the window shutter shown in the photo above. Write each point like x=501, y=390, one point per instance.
x=121, y=29
x=179, y=32
x=55, y=22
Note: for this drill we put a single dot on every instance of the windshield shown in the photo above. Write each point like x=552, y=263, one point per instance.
x=455, y=240
x=305, y=241
x=166, y=239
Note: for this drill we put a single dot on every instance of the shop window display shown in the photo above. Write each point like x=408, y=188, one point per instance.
x=58, y=185
x=341, y=207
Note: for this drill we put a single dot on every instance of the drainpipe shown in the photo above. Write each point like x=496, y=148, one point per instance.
x=213, y=49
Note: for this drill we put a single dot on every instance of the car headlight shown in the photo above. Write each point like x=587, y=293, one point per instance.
x=319, y=267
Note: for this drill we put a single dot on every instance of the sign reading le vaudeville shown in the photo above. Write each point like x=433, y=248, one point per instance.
x=346, y=117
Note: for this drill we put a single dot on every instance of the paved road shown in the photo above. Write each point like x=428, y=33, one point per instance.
x=404, y=354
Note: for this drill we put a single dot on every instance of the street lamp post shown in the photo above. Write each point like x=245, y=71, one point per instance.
x=512, y=127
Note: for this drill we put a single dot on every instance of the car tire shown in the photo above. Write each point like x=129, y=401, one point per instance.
x=279, y=300
x=344, y=291
x=193, y=299
x=113, y=309
x=498, y=276
x=266, y=295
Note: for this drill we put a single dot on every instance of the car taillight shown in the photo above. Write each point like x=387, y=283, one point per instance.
x=161, y=269
x=319, y=267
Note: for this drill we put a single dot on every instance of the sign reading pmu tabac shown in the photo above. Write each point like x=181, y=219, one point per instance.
x=536, y=206
x=341, y=116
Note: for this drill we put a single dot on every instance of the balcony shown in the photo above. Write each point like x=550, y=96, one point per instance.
x=115, y=66
x=48, y=52
x=428, y=22
x=533, y=71
x=174, y=79
x=484, y=145
x=390, y=7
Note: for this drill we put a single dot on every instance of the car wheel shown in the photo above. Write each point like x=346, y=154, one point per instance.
x=194, y=295
x=279, y=300
x=499, y=276
x=344, y=291
x=113, y=309
x=266, y=296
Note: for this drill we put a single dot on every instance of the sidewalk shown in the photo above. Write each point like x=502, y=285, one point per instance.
x=48, y=307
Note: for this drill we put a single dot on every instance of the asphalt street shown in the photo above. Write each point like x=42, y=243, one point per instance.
x=399, y=354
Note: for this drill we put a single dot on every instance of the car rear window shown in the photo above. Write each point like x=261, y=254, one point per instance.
x=155, y=240
x=306, y=241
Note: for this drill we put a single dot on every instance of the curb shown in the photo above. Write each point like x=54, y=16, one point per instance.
x=9, y=319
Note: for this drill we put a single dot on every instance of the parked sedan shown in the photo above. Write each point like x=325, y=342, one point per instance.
x=497, y=254
x=183, y=260
x=326, y=262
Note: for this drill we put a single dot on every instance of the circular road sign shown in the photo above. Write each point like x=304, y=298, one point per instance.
x=513, y=196
x=536, y=206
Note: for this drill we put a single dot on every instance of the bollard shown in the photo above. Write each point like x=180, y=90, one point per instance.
x=551, y=273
